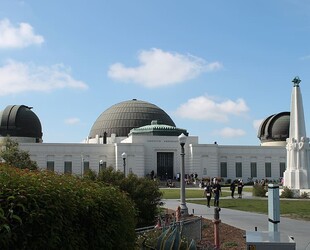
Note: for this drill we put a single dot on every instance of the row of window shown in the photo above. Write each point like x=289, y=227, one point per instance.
x=50, y=165
x=253, y=169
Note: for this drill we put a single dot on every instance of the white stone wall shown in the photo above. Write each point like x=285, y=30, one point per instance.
x=203, y=159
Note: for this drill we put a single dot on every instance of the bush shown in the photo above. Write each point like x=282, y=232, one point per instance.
x=259, y=190
x=304, y=195
x=43, y=210
x=144, y=192
x=287, y=193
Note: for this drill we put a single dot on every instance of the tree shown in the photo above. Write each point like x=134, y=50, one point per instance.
x=144, y=192
x=16, y=157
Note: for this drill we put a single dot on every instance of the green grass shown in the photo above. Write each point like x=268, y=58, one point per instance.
x=174, y=193
x=298, y=209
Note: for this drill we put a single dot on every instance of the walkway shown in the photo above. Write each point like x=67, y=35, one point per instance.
x=247, y=221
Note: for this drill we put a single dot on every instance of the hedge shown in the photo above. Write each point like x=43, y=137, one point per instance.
x=44, y=210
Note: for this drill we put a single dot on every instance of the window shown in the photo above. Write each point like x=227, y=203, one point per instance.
x=102, y=165
x=85, y=166
x=50, y=166
x=238, y=169
x=68, y=167
x=204, y=171
x=223, y=169
x=268, y=169
x=253, y=169
x=282, y=168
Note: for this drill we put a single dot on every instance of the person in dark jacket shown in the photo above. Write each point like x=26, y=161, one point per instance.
x=240, y=187
x=208, y=193
x=232, y=188
x=217, y=190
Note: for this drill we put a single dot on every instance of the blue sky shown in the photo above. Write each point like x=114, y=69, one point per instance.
x=216, y=67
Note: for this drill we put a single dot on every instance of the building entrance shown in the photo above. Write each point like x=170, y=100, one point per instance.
x=165, y=165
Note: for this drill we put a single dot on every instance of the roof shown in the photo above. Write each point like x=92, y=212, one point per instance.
x=275, y=127
x=20, y=121
x=159, y=130
x=120, y=118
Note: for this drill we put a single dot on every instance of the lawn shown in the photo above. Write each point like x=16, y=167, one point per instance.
x=294, y=208
x=299, y=209
x=174, y=193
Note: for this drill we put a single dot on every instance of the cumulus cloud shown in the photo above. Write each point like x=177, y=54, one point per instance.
x=307, y=57
x=208, y=108
x=17, y=37
x=230, y=132
x=72, y=121
x=160, y=68
x=257, y=123
x=17, y=77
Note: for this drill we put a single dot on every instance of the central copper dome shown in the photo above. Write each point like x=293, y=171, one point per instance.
x=120, y=118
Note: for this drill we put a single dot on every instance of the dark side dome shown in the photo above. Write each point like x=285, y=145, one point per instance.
x=20, y=121
x=120, y=118
x=275, y=128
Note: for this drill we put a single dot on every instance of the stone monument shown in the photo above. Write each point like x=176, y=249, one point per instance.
x=297, y=173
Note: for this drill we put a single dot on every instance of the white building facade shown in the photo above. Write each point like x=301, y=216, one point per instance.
x=149, y=138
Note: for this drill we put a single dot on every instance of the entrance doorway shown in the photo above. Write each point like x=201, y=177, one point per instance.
x=165, y=165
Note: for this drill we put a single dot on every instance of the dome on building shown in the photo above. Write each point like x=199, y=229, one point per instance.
x=274, y=130
x=20, y=121
x=120, y=118
x=156, y=129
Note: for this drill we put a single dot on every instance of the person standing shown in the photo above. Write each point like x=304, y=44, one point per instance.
x=240, y=187
x=232, y=189
x=217, y=190
x=208, y=193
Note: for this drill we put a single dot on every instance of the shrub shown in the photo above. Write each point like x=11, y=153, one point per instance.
x=259, y=190
x=144, y=192
x=304, y=195
x=43, y=210
x=16, y=157
x=287, y=193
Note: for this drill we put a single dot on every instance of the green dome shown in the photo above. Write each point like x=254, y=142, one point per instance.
x=159, y=130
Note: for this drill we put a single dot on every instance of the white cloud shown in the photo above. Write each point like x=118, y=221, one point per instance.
x=230, y=132
x=257, y=123
x=206, y=108
x=72, y=121
x=159, y=68
x=17, y=77
x=307, y=57
x=17, y=37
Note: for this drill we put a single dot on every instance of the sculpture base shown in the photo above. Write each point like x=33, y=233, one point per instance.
x=296, y=179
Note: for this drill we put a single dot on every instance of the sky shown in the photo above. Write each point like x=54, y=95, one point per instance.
x=218, y=68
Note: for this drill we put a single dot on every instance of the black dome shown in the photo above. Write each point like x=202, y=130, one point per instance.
x=122, y=117
x=20, y=121
x=275, y=127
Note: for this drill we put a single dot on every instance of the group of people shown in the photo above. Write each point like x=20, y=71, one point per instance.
x=239, y=184
x=215, y=188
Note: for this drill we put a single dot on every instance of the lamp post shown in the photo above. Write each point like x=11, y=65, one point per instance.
x=124, y=156
x=184, y=210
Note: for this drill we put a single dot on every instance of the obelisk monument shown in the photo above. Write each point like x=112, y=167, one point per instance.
x=297, y=173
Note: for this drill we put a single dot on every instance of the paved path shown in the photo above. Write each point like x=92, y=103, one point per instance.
x=247, y=221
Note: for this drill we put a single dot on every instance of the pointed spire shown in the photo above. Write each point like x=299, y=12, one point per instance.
x=297, y=121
